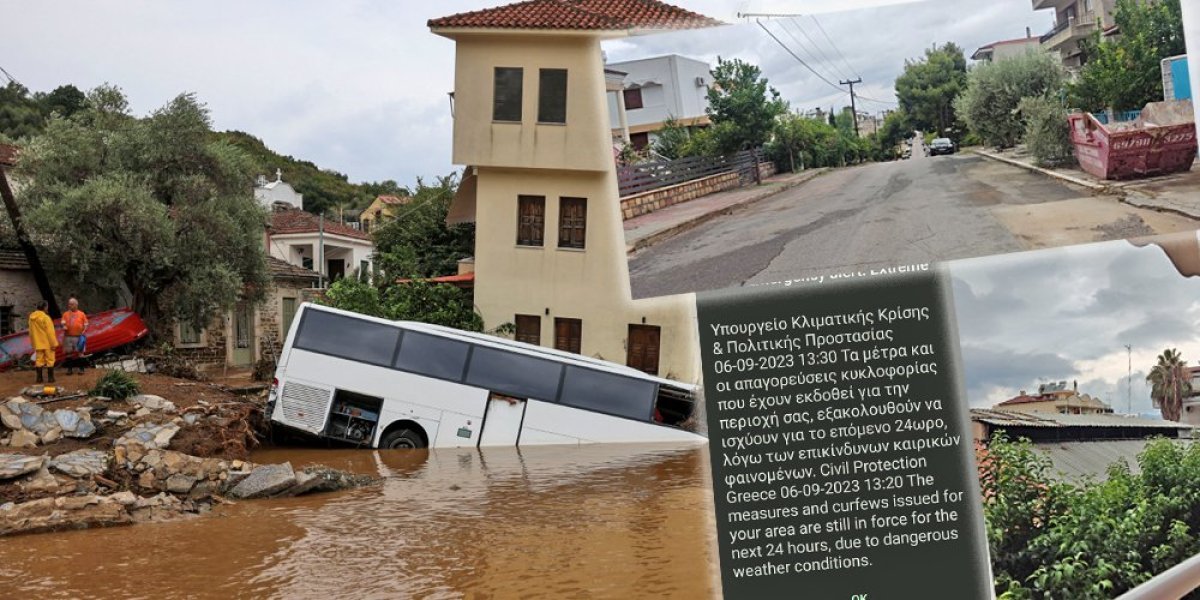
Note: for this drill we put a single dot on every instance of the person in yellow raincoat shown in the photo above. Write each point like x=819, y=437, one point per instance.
x=41, y=336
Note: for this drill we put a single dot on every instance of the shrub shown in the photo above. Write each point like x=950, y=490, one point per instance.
x=1047, y=132
x=994, y=92
x=117, y=385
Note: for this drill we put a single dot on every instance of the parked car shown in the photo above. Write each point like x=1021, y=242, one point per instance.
x=941, y=146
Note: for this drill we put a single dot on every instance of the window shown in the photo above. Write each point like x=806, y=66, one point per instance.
x=514, y=374
x=364, y=270
x=572, y=222
x=608, y=393
x=189, y=334
x=568, y=334
x=306, y=262
x=288, y=312
x=433, y=356
x=531, y=220
x=552, y=96
x=506, y=94
x=347, y=337
x=633, y=98
x=7, y=325
x=529, y=329
x=639, y=140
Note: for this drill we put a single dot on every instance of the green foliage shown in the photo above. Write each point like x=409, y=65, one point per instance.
x=23, y=114
x=1170, y=383
x=742, y=106
x=116, y=384
x=1047, y=132
x=417, y=242
x=927, y=88
x=798, y=142
x=154, y=206
x=994, y=91
x=703, y=142
x=1125, y=73
x=412, y=301
x=671, y=139
x=1096, y=540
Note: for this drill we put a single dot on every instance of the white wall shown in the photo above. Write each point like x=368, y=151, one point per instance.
x=668, y=89
x=278, y=191
x=1191, y=32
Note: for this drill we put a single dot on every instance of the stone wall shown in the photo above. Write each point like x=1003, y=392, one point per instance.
x=647, y=202
x=18, y=290
x=766, y=169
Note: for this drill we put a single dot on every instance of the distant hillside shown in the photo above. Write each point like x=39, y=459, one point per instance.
x=325, y=190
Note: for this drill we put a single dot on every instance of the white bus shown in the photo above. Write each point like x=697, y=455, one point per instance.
x=394, y=384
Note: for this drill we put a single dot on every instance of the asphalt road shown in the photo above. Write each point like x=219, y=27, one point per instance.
x=882, y=214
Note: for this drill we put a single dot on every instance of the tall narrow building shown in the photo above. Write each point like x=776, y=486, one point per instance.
x=531, y=125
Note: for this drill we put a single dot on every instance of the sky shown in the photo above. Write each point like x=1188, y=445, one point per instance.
x=360, y=86
x=1066, y=314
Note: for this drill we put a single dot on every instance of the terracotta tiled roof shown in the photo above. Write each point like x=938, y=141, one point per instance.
x=394, y=200
x=299, y=221
x=598, y=15
x=8, y=155
x=279, y=268
x=1024, y=399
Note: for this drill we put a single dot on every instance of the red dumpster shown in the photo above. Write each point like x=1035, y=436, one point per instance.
x=1161, y=140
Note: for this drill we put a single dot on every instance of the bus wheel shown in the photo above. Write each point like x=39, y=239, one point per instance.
x=401, y=439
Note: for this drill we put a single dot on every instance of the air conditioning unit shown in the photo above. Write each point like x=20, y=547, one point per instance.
x=700, y=82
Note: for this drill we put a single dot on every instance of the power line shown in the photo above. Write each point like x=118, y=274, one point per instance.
x=798, y=59
x=835, y=46
x=824, y=57
x=801, y=44
x=11, y=79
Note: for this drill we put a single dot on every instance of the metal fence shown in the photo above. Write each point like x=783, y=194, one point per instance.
x=644, y=177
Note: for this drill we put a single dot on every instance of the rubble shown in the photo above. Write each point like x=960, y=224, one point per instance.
x=162, y=462
x=32, y=425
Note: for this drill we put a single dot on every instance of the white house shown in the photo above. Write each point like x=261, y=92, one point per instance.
x=302, y=239
x=269, y=193
x=655, y=90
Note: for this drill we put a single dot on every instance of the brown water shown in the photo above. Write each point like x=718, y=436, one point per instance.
x=611, y=521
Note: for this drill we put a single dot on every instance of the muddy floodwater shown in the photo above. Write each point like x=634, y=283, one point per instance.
x=613, y=521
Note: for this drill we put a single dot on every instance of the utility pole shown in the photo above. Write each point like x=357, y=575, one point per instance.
x=853, y=105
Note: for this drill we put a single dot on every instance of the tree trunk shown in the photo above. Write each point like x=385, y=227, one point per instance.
x=31, y=257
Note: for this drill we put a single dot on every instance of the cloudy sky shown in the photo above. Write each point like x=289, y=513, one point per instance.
x=1067, y=314
x=360, y=86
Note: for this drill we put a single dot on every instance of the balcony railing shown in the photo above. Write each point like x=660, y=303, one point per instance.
x=1073, y=27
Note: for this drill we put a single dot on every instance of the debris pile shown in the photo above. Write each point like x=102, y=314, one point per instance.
x=105, y=463
x=29, y=424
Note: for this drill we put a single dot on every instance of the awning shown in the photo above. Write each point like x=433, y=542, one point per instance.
x=462, y=208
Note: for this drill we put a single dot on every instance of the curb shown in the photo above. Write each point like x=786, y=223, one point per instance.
x=699, y=220
x=1095, y=187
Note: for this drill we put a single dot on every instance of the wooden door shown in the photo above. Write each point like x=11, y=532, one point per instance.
x=568, y=334
x=643, y=348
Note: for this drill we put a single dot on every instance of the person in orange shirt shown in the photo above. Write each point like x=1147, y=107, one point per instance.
x=75, y=323
x=43, y=339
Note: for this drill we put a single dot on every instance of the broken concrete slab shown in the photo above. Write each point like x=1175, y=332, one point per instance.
x=265, y=481
x=16, y=465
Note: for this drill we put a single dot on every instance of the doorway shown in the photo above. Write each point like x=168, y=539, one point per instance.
x=335, y=269
x=243, y=334
x=502, y=420
x=643, y=348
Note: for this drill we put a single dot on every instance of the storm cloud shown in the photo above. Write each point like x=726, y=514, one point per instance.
x=1067, y=314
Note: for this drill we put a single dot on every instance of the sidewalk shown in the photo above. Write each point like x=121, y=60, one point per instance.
x=1177, y=193
x=651, y=228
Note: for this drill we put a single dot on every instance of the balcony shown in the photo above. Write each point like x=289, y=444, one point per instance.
x=1069, y=31
x=1055, y=4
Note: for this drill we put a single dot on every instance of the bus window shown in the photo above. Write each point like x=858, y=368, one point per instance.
x=433, y=356
x=346, y=337
x=513, y=374
x=608, y=393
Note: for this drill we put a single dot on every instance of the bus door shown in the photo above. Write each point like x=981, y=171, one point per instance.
x=502, y=420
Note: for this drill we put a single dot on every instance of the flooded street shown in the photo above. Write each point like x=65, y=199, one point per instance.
x=589, y=521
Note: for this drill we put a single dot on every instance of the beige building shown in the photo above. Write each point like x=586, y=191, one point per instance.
x=1074, y=20
x=381, y=209
x=531, y=123
x=1005, y=49
x=1056, y=398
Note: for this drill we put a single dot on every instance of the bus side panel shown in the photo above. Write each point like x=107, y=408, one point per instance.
x=457, y=431
x=590, y=426
x=537, y=437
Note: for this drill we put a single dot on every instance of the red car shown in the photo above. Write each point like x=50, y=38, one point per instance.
x=106, y=330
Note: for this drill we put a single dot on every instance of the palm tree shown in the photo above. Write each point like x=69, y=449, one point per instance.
x=1171, y=382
